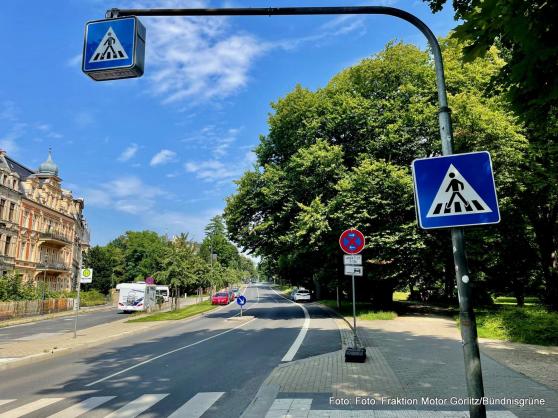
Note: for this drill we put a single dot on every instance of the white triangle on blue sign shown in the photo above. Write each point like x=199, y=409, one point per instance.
x=456, y=197
x=109, y=48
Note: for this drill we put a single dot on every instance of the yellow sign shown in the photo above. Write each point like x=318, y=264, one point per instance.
x=86, y=275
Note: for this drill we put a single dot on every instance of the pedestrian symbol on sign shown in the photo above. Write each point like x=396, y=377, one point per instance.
x=109, y=48
x=456, y=196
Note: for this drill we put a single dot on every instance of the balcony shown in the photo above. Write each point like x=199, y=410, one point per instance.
x=53, y=266
x=53, y=238
x=6, y=261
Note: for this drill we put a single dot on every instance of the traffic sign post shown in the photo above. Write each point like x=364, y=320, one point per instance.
x=114, y=48
x=352, y=242
x=241, y=301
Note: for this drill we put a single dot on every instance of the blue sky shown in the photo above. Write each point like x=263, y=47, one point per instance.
x=161, y=152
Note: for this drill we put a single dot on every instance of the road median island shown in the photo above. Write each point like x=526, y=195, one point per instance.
x=187, y=312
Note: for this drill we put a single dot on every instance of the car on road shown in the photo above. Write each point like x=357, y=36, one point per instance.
x=236, y=292
x=221, y=298
x=301, y=295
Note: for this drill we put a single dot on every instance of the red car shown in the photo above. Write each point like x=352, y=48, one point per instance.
x=220, y=298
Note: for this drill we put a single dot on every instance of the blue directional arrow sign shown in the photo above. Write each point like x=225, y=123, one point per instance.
x=114, y=48
x=455, y=190
x=241, y=300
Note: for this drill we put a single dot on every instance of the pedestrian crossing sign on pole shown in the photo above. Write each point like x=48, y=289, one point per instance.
x=455, y=190
x=114, y=48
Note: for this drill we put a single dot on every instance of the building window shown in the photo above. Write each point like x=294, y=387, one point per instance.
x=8, y=243
x=12, y=210
x=2, y=207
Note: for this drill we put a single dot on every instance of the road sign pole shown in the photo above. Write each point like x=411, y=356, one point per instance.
x=354, y=313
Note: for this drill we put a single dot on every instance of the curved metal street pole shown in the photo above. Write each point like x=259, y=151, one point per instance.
x=467, y=318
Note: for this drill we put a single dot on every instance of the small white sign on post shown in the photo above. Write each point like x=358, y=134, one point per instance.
x=353, y=270
x=352, y=260
x=86, y=275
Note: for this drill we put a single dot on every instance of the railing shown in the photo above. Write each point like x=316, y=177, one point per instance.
x=54, y=236
x=22, y=308
x=4, y=259
x=53, y=266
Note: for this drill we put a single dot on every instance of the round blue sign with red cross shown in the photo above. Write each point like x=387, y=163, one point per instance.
x=352, y=241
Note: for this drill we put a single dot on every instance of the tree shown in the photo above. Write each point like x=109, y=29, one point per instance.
x=101, y=261
x=340, y=156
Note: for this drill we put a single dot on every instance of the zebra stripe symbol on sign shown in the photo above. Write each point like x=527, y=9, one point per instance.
x=109, y=48
x=456, y=196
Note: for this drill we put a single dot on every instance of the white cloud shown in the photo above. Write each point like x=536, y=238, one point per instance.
x=128, y=153
x=128, y=194
x=74, y=61
x=164, y=156
x=173, y=222
x=217, y=171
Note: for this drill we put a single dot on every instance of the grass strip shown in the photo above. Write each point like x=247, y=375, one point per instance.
x=529, y=325
x=183, y=313
x=364, y=311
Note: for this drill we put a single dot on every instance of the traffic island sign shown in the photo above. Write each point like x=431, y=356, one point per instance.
x=241, y=300
x=455, y=190
x=114, y=48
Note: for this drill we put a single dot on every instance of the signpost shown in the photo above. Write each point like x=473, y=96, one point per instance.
x=114, y=48
x=352, y=242
x=85, y=276
x=241, y=300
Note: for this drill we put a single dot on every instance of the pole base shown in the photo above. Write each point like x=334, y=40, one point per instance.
x=355, y=355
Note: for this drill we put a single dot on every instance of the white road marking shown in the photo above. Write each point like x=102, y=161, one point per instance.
x=166, y=354
x=38, y=336
x=137, y=406
x=197, y=406
x=30, y=407
x=301, y=335
x=82, y=407
x=5, y=401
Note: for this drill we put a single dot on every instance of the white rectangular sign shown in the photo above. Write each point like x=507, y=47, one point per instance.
x=86, y=275
x=353, y=270
x=352, y=260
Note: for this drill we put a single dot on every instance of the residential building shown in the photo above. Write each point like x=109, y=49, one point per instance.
x=42, y=229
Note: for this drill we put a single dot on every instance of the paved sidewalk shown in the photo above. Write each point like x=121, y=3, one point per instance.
x=414, y=368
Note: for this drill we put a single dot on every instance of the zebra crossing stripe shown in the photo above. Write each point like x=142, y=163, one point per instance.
x=197, y=406
x=82, y=407
x=5, y=401
x=137, y=406
x=30, y=407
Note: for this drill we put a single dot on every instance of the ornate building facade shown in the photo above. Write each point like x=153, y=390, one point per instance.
x=42, y=229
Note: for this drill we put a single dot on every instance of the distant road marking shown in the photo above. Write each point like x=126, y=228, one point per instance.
x=197, y=406
x=30, y=407
x=82, y=407
x=137, y=406
x=301, y=335
x=5, y=401
x=166, y=354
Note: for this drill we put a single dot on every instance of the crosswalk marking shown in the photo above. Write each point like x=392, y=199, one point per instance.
x=82, y=407
x=197, y=406
x=30, y=407
x=4, y=401
x=137, y=406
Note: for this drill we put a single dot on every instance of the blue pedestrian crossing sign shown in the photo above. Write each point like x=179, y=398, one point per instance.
x=114, y=48
x=455, y=190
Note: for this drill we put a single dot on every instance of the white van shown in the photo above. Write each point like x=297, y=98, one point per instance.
x=163, y=291
x=136, y=296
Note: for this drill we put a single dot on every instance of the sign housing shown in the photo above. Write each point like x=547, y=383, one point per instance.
x=114, y=48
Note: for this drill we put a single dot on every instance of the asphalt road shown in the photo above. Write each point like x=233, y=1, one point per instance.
x=49, y=327
x=211, y=366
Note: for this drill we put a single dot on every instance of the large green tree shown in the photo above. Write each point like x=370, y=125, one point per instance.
x=339, y=157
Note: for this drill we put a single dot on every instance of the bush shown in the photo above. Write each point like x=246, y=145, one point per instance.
x=88, y=298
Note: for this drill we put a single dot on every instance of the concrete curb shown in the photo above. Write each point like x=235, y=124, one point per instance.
x=338, y=315
x=34, y=358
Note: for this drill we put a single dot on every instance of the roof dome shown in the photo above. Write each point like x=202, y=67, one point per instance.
x=48, y=168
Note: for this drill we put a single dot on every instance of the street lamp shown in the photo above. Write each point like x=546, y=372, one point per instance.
x=44, y=284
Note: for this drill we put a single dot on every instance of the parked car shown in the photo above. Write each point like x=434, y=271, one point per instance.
x=232, y=297
x=236, y=292
x=301, y=295
x=221, y=298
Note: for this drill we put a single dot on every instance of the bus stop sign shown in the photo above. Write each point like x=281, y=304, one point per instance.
x=114, y=48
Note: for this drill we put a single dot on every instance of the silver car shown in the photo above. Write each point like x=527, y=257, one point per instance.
x=301, y=295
